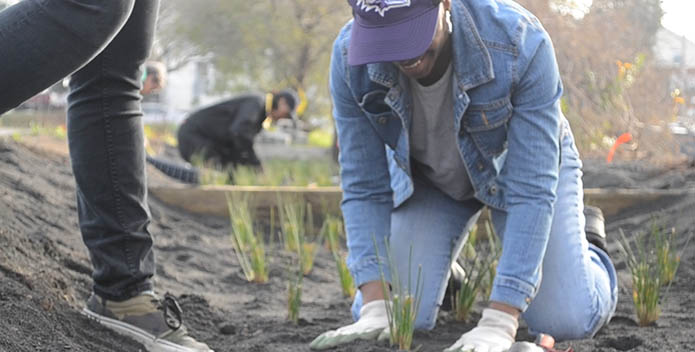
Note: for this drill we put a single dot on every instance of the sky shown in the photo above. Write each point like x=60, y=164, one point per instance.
x=678, y=17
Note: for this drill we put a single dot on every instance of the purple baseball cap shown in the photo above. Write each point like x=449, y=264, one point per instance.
x=391, y=30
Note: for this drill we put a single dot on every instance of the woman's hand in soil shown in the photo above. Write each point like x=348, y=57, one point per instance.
x=495, y=332
x=373, y=324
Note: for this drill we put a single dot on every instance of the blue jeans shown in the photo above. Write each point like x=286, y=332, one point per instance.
x=102, y=44
x=578, y=292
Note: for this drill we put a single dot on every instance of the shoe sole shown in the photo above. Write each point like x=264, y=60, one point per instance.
x=152, y=344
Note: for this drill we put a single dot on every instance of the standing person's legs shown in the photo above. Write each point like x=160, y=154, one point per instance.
x=43, y=41
x=435, y=226
x=108, y=159
x=578, y=292
x=106, y=146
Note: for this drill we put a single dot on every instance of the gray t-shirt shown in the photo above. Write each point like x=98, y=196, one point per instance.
x=433, y=140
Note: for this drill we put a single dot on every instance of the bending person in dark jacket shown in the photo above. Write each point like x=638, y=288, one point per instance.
x=222, y=134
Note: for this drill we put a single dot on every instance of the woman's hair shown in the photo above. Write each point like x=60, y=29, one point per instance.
x=290, y=97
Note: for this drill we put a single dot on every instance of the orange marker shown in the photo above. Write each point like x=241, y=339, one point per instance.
x=624, y=138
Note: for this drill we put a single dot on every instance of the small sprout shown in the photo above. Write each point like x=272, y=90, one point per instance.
x=667, y=257
x=243, y=175
x=210, y=174
x=404, y=304
x=308, y=255
x=293, y=226
x=653, y=264
x=480, y=272
x=332, y=228
x=495, y=251
x=248, y=245
x=644, y=270
x=297, y=221
x=346, y=283
x=294, y=295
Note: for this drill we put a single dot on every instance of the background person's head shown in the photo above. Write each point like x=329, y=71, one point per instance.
x=284, y=105
x=413, y=34
x=155, y=77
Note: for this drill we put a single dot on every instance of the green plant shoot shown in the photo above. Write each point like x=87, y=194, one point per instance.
x=646, y=283
x=402, y=305
x=248, y=245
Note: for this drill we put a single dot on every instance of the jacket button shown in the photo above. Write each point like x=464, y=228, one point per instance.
x=382, y=120
x=480, y=166
x=493, y=190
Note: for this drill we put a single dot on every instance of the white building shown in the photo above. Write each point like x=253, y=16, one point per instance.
x=676, y=56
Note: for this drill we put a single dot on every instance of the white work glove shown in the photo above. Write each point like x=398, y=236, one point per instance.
x=525, y=347
x=495, y=332
x=373, y=324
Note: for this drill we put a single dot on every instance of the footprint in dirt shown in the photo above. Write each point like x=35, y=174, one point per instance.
x=622, y=343
x=183, y=257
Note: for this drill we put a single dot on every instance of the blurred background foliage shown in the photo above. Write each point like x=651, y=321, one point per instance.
x=605, y=53
x=260, y=45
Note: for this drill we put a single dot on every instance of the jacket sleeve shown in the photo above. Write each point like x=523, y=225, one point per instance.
x=367, y=196
x=531, y=169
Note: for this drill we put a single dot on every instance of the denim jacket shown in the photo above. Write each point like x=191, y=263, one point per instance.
x=507, y=91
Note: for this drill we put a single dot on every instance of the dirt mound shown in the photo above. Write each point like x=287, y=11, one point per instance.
x=45, y=273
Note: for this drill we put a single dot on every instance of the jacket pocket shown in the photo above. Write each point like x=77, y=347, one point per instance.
x=487, y=124
x=382, y=117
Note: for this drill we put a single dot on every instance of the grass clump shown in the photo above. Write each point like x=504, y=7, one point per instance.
x=294, y=218
x=248, y=245
x=402, y=304
x=245, y=176
x=300, y=173
x=495, y=251
x=653, y=262
x=294, y=294
x=668, y=259
x=308, y=256
x=210, y=174
x=332, y=228
x=646, y=282
x=297, y=220
x=479, y=262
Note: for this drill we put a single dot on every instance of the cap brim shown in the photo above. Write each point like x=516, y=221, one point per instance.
x=398, y=42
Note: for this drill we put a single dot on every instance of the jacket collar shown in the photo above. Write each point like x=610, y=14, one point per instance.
x=472, y=61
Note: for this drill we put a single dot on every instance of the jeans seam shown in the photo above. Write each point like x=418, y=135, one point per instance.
x=113, y=172
x=434, y=307
x=443, y=283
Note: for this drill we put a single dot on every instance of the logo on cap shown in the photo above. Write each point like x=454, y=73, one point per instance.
x=381, y=6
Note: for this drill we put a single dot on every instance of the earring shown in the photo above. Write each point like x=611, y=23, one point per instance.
x=448, y=21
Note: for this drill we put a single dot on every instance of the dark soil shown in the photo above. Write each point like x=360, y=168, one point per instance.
x=45, y=272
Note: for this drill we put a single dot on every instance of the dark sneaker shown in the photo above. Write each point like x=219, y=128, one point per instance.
x=595, y=228
x=154, y=322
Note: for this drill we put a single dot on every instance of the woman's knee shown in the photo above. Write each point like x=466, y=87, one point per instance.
x=427, y=318
x=572, y=322
x=104, y=18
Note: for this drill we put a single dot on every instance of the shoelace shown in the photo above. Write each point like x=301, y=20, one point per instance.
x=173, y=315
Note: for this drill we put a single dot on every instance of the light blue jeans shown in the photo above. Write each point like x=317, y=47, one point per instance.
x=578, y=292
